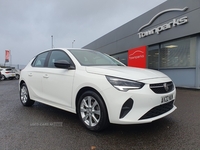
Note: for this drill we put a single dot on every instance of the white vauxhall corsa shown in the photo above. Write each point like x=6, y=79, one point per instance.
x=99, y=88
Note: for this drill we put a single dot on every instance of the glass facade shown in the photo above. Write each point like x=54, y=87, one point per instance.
x=153, y=57
x=179, y=53
x=123, y=57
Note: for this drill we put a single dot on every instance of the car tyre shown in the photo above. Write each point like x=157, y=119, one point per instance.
x=17, y=76
x=92, y=111
x=3, y=77
x=24, y=96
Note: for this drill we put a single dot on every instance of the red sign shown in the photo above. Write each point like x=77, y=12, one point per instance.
x=7, y=55
x=137, y=57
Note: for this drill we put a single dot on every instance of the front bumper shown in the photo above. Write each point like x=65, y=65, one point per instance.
x=147, y=105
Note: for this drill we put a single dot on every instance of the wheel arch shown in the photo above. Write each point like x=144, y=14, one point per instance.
x=25, y=101
x=84, y=89
x=21, y=82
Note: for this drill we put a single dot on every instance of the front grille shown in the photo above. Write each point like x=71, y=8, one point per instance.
x=161, y=88
x=158, y=110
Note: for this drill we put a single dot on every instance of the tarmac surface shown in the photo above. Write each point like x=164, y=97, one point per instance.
x=42, y=127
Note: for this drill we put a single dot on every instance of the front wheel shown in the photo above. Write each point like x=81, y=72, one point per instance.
x=3, y=77
x=92, y=111
x=24, y=96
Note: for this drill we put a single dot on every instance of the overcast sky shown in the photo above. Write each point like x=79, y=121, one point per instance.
x=26, y=26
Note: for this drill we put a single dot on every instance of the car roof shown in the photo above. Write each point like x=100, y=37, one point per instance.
x=4, y=68
x=65, y=49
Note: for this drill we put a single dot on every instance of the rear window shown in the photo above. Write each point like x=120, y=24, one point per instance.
x=8, y=69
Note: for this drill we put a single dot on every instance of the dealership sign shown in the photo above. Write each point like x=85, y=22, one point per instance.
x=7, y=55
x=166, y=26
x=137, y=57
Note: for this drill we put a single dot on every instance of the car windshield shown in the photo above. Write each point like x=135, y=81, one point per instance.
x=94, y=58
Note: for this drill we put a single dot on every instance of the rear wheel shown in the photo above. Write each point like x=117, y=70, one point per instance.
x=24, y=96
x=92, y=111
x=3, y=77
x=17, y=76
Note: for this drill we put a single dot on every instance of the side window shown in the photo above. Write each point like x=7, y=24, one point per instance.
x=40, y=60
x=57, y=55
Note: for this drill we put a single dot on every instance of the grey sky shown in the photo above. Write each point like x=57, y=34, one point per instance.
x=27, y=25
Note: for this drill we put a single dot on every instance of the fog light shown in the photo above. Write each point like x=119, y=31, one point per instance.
x=126, y=108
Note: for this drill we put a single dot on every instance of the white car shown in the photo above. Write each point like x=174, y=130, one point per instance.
x=7, y=73
x=17, y=73
x=99, y=88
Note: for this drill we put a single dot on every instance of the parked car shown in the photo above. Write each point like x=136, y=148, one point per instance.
x=7, y=73
x=99, y=88
x=17, y=73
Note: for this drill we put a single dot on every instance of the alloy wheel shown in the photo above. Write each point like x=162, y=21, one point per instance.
x=90, y=111
x=24, y=94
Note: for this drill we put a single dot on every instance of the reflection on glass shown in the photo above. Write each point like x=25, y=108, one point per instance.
x=122, y=57
x=174, y=54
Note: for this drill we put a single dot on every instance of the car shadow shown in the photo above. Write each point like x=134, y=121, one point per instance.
x=43, y=112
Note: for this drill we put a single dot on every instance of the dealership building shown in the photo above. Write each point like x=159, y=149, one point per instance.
x=166, y=38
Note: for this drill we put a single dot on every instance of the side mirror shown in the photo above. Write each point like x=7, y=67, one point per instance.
x=62, y=64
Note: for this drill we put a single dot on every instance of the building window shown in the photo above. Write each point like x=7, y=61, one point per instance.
x=174, y=54
x=153, y=57
x=122, y=57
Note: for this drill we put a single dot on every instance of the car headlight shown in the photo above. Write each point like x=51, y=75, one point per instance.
x=124, y=84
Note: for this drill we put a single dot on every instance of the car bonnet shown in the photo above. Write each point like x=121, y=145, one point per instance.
x=131, y=73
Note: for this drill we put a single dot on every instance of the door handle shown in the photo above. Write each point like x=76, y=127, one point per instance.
x=45, y=76
x=30, y=74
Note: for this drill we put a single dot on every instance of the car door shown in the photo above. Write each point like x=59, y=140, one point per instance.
x=57, y=82
x=34, y=75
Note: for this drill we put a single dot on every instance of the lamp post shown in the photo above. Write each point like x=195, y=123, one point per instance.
x=52, y=41
x=73, y=43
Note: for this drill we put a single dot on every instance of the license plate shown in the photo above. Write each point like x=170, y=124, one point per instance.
x=167, y=98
